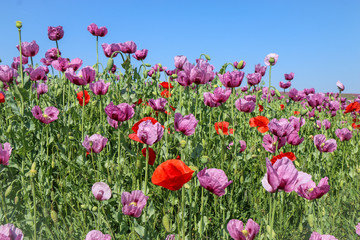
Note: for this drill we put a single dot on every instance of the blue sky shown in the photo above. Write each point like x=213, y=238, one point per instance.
x=317, y=40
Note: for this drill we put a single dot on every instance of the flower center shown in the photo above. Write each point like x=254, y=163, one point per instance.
x=133, y=203
x=99, y=195
x=245, y=232
x=45, y=116
x=322, y=145
x=310, y=190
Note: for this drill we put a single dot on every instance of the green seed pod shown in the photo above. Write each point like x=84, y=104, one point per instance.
x=19, y=24
x=8, y=191
x=204, y=159
x=53, y=163
x=207, y=57
x=16, y=199
x=271, y=60
x=310, y=219
x=166, y=222
x=94, y=208
x=53, y=216
x=139, y=164
x=83, y=206
x=71, y=138
x=8, y=130
x=110, y=64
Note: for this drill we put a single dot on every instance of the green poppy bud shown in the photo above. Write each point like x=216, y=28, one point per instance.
x=303, y=111
x=110, y=64
x=139, y=164
x=241, y=179
x=8, y=191
x=16, y=199
x=300, y=227
x=174, y=76
x=1, y=84
x=160, y=65
x=33, y=171
x=166, y=222
x=204, y=159
x=147, y=64
x=53, y=215
x=310, y=219
x=240, y=64
x=182, y=143
x=207, y=57
x=94, y=208
x=8, y=130
x=19, y=24
x=83, y=206
x=278, y=94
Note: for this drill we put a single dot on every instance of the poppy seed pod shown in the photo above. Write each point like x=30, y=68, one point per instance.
x=19, y=24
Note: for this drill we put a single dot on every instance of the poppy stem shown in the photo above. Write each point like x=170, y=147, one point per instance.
x=97, y=56
x=274, y=199
x=21, y=64
x=98, y=223
x=183, y=211
x=34, y=205
x=57, y=47
x=146, y=167
x=201, y=211
x=4, y=209
x=268, y=91
x=119, y=151
x=232, y=116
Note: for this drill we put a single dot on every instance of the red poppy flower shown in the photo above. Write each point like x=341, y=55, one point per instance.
x=2, y=98
x=139, y=102
x=172, y=174
x=224, y=127
x=261, y=108
x=87, y=153
x=152, y=155
x=355, y=126
x=135, y=128
x=282, y=106
x=260, y=122
x=178, y=157
x=296, y=112
x=166, y=85
x=172, y=108
x=165, y=93
x=355, y=106
x=80, y=97
x=289, y=155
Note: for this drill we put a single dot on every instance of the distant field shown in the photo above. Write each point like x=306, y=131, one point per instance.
x=350, y=96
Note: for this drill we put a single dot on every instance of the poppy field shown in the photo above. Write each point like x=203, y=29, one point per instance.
x=127, y=150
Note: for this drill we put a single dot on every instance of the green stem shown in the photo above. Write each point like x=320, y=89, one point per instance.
x=119, y=150
x=202, y=212
x=34, y=205
x=268, y=91
x=98, y=223
x=183, y=211
x=4, y=209
x=58, y=50
x=21, y=63
x=97, y=56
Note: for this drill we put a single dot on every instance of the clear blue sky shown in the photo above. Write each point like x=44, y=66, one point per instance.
x=317, y=40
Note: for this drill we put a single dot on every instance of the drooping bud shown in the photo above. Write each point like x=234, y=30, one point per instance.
x=278, y=94
x=110, y=64
x=19, y=24
x=160, y=65
x=8, y=191
x=207, y=57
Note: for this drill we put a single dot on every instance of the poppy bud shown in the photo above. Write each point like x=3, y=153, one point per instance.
x=182, y=143
x=174, y=76
x=83, y=206
x=52, y=195
x=241, y=179
x=271, y=60
x=53, y=215
x=94, y=208
x=16, y=200
x=278, y=94
x=358, y=170
x=160, y=65
x=109, y=179
x=240, y=64
x=147, y=64
x=19, y=24
x=33, y=171
x=8, y=191
x=53, y=164
x=110, y=64
x=139, y=164
x=166, y=222
x=310, y=219
x=8, y=130
x=204, y=159
x=300, y=227
x=71, y=138
x=270, y=232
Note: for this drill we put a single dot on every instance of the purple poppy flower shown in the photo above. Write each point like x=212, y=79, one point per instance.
x=95, y=31
x=52, y=54
x=231, y=79
x=75, y=64
x=283, y=176
x=84, y=77
x=334, y=106
x=221, y=95
x=61, y=64
x=179, y=61
x=308, y=91
x=244, y=105
x=324, y=145
x=150, y=133
x=239, y=65
x=209, y=100
x=25, y=60
x=318, y=236
x=343, y=134
x=120, y=113
x=95, y=143
x=269, y=143
x=133, y=203
x=10, y=232
x=140, y=54
x=271, y=59
x=50, y=114
x=289, y=76
x=214, y=180
x=315, y=100
x=41, y=89
x=294, y=139
x=38, y=74
x=297, y=122
x=186, y=124
x=29, y=49
x=110, y=49
x=97, y=235
x=101, y=191
x=340, y=86
x=326, y=123
x=5, y=152
x=158, y=104
x=253, y=78
x=55, y=33
x=358, y=229
x=310, y=191
x=202, y=73
x=170, y=237
x=237, y=232
x=128, y=47
x=296, y=95
x=45, y=61
x=260, y=69
x=99, y=87
x=242, y=145
x=7, y=74
x=280, y=128
x=184, y=76
x=244, y=89
x=285, y=85
x=113, y=123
